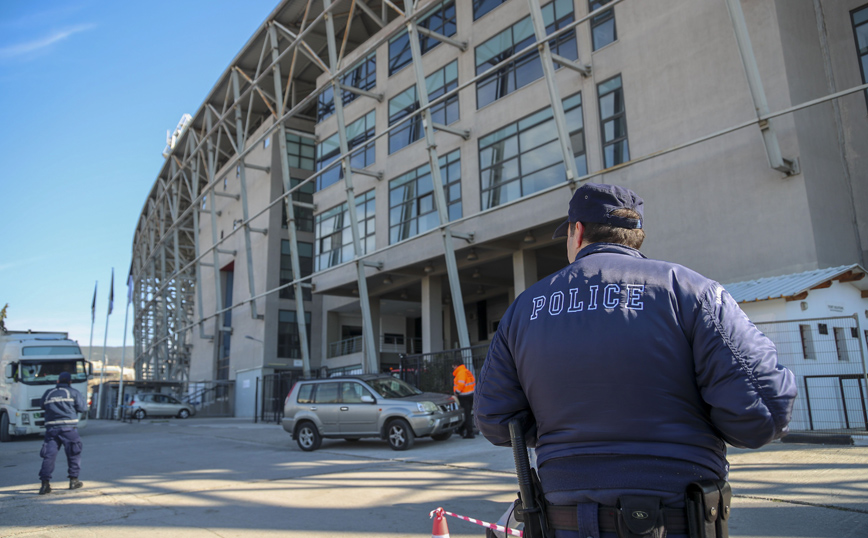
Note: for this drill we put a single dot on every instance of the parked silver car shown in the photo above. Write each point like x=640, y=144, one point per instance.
x=367, y=406
x=158, y=405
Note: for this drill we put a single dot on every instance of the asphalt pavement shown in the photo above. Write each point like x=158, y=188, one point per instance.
x=233, y=478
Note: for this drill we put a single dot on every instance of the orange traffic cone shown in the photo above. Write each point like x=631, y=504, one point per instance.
x=440, y=530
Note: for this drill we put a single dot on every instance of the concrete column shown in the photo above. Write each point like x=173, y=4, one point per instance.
x=523, y=270
x=432, y=315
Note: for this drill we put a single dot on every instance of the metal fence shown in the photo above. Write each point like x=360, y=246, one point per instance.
x=827, y=356
x=432, y=372
x=212, y=398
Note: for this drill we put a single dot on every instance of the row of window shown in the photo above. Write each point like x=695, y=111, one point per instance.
x=516, y=74
x=842, y=349
x=518, y=159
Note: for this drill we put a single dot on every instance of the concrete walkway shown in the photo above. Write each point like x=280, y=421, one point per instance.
x=234, y=478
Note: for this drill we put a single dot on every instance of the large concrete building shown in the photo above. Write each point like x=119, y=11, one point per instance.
x=373, y=177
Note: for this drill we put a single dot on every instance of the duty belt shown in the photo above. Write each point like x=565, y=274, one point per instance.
x=565, y=518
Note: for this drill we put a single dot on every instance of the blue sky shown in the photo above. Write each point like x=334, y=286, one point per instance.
x=88, y=90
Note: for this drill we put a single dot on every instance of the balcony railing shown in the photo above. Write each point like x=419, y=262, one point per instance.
x=388, y=344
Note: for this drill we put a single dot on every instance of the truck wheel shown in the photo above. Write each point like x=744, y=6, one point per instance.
x=307, y=437
x=400, y=435
x=4, y=428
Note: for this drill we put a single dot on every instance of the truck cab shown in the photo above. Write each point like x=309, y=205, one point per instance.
x=30, y=363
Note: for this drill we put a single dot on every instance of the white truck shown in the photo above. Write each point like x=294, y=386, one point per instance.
x=29, y=365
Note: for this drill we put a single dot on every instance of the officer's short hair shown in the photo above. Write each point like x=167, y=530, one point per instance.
x=606, y=233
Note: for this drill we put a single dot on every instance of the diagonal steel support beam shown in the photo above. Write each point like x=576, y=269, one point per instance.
x=461, y=45
x=376, y=96
x=790, y=167
x=585, y=70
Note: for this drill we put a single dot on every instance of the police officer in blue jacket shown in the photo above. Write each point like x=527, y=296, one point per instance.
x=62, y=406
x=629, y=376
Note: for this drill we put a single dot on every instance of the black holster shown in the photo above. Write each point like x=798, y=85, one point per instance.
x=535, y=520
x=640, y=516
x=708, y=508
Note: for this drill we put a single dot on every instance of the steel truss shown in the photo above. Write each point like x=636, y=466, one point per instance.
x=274, y=78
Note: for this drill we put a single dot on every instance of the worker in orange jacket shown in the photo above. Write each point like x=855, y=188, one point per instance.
x=463, y=386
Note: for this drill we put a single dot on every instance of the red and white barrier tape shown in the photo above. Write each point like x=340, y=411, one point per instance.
x=501, y=528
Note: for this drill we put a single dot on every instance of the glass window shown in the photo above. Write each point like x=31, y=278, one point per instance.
x=412, y=209
x=46, y=372
x=526, y=68
x=358, y=132
x=303, y=215
x=860, y=31
x=603, y=25
x=305, y=262
x=327, y=393
x=613, y=122
x=405, y=103
x=334, y=238
x=353, y=392
x=300, y=151
x=363, y=76
x=305, y=393
x=481, y=7
x=524, y=157
x=288, y=340
x=441, y=19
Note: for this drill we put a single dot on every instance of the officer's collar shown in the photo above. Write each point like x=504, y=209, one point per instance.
x=613, y=248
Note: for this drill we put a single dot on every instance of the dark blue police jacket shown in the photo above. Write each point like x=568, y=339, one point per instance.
x=617, y=354
x=62, y=404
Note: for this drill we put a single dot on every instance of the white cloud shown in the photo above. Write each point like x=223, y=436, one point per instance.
x=21, y=49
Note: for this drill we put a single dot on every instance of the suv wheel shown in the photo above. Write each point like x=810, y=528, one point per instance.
x=183, y=413
x=140, y=414
x=307, y=437
x=399, y=434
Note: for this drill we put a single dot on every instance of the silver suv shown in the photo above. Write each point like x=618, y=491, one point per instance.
x=367, y=406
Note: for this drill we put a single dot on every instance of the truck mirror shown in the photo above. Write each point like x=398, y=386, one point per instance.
x=10, y=370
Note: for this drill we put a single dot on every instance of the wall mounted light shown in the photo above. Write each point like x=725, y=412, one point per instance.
x=387, y=279
x=804, y=305
x=471, y=256
x=476, y=273
x=429, y=268
x=529, y=238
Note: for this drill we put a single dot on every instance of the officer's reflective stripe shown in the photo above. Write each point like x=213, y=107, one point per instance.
x=55, y=422
x=53, y=400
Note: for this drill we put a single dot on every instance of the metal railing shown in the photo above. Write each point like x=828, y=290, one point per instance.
x=347, y=346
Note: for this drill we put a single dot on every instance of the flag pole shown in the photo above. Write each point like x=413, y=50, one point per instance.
x=92, y=322
x=124, y=349
x=104, y=342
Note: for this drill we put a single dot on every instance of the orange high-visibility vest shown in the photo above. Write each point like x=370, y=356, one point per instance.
x=464, y=382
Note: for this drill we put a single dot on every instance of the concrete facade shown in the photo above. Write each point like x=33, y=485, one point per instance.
x=714, y=205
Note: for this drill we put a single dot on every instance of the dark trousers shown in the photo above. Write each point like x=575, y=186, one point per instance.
x=69, y=439
x=466, y=401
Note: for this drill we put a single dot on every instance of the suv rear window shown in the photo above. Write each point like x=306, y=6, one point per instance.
x=305, y=393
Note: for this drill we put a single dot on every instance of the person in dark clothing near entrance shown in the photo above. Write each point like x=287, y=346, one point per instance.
x=62, y=406
x=629, y=376
x=463, y=385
